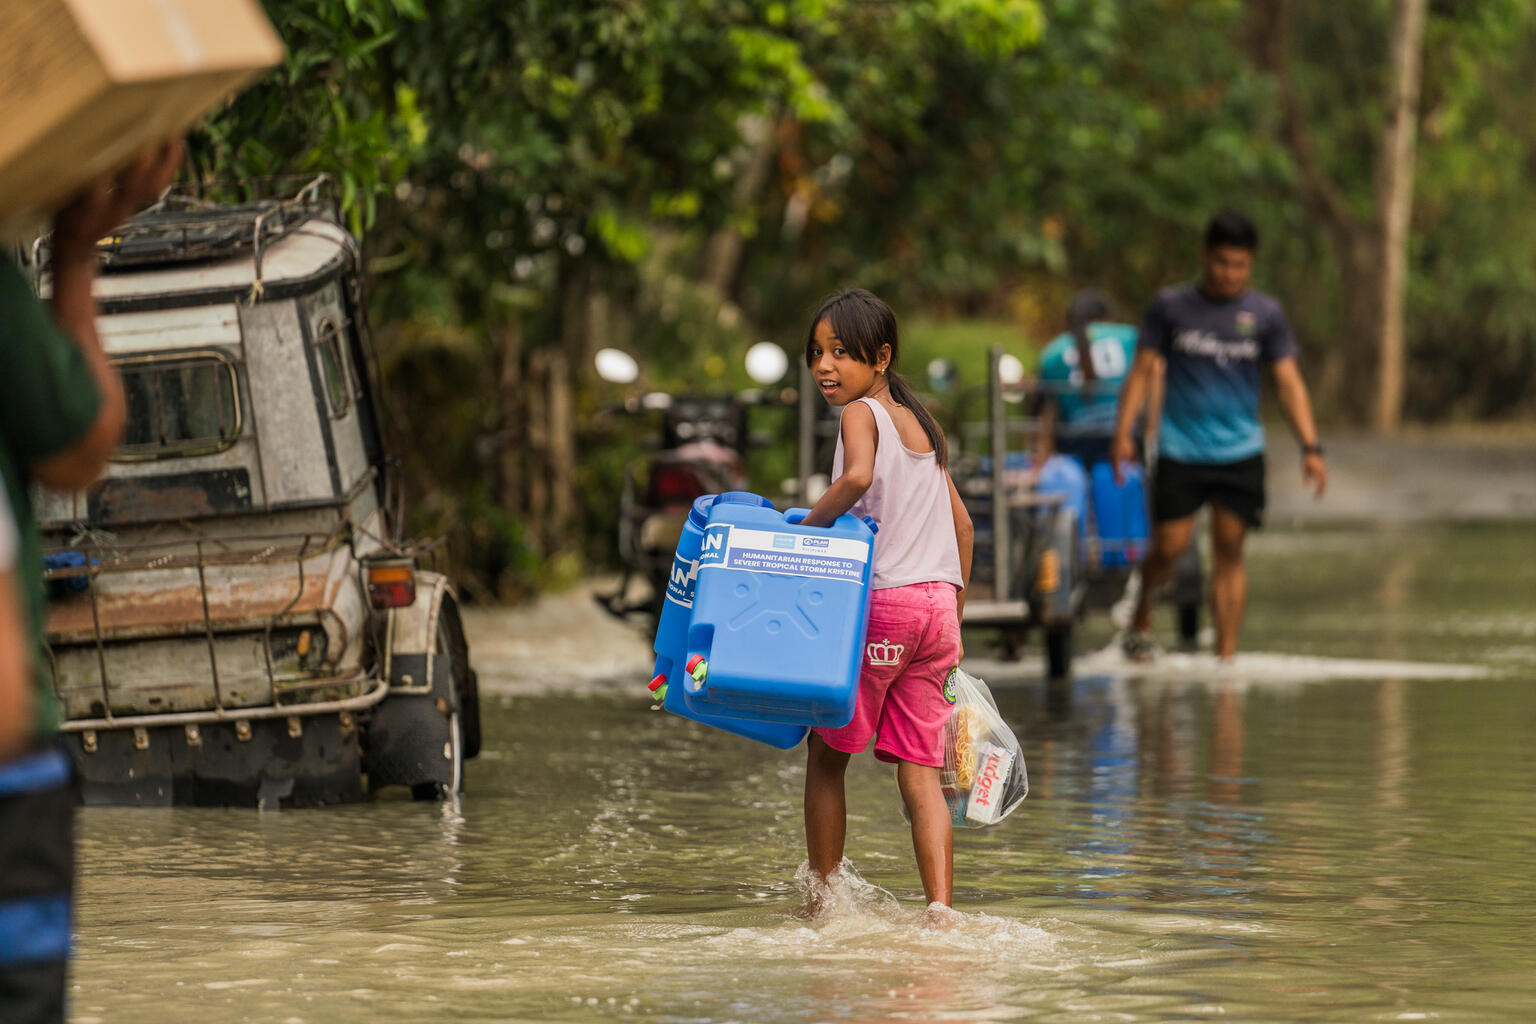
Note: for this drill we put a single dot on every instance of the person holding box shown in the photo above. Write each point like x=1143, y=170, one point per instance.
x=61, y=413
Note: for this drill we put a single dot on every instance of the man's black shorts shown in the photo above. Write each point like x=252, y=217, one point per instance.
x=1180, y=488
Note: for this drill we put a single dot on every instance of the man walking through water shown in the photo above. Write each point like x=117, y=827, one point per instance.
x=1207, y=339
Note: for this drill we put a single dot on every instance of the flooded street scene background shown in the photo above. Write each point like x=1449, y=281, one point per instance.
x=381, y=379
x=1336, y=827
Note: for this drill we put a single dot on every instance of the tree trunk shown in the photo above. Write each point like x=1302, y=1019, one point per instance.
x=1358, y=251
x=722, y=256
x=536, y=479
x=1394, y=199
x=509, y=470
x=562, y=365
x=562, y=452
x=1371, y=252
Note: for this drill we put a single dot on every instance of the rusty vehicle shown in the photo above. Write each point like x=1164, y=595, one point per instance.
x=234, y=617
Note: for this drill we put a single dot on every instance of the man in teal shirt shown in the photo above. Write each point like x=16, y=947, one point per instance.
x=1081, y=371
x=61, y=413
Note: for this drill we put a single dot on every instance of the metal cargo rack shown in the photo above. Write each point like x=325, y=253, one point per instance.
x=188, y=227
x=996, y=533
x=103, y=560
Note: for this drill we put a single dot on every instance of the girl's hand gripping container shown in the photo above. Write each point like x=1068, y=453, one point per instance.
x=779, y=614
x=671, y=644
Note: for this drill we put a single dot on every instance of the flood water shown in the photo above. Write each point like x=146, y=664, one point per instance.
x=1333, y=829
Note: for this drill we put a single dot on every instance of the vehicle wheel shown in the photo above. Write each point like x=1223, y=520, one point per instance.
x=1189, y=625
x=464, y=721
x=466, y=681
x=421, y=740
x=469, y=714
x=1058, y=651
x=453, y=750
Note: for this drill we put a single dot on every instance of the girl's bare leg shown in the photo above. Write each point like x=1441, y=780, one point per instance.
x=933, y=839
x=826, y=809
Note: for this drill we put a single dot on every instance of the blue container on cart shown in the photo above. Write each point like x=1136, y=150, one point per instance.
x=1121, y=511
x=672, y=637
x=779, y=614
x=1064, y=475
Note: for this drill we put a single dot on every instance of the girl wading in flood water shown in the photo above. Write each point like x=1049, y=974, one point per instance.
x=890, y=465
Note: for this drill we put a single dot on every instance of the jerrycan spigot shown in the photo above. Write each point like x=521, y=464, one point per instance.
x=698, y=671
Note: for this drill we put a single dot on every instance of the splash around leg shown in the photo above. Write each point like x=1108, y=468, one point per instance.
x=842, y=892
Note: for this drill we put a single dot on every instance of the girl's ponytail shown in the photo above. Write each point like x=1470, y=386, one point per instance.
x=904, y=395
x=1087, y=306
x=1084, y=353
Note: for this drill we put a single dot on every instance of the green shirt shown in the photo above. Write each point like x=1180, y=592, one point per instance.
x=48, y=400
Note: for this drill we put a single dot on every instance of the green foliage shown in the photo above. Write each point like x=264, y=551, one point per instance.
x=1471, y=304
x=967, y=343
x=516, y=166
x=330, y=107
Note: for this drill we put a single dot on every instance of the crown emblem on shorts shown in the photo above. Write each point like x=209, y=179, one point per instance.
x=884, y=653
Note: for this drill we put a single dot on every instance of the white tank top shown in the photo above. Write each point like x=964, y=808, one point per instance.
x=908, y=499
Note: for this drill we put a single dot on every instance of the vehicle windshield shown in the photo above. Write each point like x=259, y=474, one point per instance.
x=178, y=406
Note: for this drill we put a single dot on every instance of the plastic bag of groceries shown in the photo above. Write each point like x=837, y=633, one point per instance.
x=984, y=777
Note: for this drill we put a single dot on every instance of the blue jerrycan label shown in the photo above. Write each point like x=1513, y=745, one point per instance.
x=833, y=558
x=777, y=630
x=680, y=583
x=672, y=639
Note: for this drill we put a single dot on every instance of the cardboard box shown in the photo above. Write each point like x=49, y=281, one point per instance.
x=86, y=85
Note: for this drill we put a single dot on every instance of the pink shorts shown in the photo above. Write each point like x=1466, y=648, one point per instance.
x=912, y=642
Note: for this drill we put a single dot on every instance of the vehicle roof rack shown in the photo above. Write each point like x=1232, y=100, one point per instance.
x=189, y=227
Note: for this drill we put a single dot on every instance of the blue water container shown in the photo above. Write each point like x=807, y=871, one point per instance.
x=779, y=615
x=1121, y=512
x=672, y=637
x=1065, y=475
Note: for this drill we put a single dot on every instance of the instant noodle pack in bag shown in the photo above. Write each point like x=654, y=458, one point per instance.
x=984, y=777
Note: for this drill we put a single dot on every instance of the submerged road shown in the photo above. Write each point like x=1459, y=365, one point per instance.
x=1338, y=832
x=1440, y=477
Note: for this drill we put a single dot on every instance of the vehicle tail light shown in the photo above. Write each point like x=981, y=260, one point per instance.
x=392, y=584
x=674, y=484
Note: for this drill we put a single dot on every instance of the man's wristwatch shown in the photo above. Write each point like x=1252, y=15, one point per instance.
x=1312, y=449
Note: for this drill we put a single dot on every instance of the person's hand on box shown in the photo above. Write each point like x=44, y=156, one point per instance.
x=97, y=210
x=111, y=199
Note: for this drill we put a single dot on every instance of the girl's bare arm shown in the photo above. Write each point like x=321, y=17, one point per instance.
x=965, y=536
x=860, y=438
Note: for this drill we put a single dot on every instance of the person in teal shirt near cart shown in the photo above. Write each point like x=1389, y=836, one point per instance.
x=1081, y=371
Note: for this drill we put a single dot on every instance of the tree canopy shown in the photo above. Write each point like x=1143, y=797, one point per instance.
x=683, y=177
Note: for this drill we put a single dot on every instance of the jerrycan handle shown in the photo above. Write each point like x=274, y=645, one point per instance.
x=795, y=516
